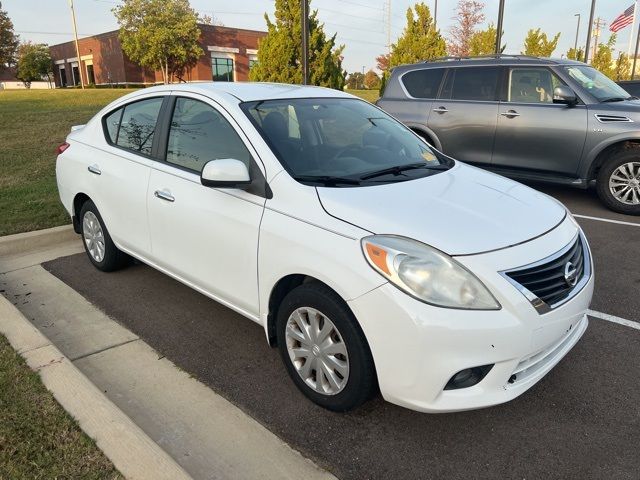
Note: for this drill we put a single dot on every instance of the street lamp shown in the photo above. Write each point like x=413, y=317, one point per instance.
x=499, y=32
x=575, y=46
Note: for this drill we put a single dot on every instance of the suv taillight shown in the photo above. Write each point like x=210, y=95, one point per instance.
x=62, y=147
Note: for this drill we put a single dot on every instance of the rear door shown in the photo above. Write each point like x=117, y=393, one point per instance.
x=533, y=132
x=464, y=117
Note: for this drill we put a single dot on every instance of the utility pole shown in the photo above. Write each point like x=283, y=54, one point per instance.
x=499, y=31
x=75, y=35
x=590, y=26
x=305, y=42
x=389, y=27
x=635, y=55
x=575, y=45
x=599, y=23
x=435, y=16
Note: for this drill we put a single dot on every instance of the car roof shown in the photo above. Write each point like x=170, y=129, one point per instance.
x=488, y=60
x=252, y=91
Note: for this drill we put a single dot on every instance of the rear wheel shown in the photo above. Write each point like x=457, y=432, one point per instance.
x=97, y=242
x=618, y=182
x=323, y=348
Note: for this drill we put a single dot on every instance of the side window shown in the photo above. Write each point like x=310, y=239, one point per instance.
x=112, y=125
x=532, y=85
x=423, y=83
x=138, y=125
x=472, y=83
x=199, y=134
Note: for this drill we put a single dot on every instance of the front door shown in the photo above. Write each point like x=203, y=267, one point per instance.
x=205, y=236
x=534, y=133
x=464, y=117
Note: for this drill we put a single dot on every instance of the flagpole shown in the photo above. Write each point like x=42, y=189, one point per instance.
x=635, y=10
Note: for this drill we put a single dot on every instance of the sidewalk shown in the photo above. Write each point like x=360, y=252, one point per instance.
x=198, y=431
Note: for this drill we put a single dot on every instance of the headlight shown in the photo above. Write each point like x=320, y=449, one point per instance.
x=426, y=273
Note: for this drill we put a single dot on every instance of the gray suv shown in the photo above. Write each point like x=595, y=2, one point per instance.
x=528, y=118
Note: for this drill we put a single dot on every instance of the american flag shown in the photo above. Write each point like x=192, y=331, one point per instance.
x=624, y=19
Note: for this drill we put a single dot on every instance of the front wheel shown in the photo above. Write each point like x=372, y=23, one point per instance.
x=100, y=248
x=618, y=182
x=323, y=348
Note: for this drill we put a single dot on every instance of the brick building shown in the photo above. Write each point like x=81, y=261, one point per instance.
x=228, y=55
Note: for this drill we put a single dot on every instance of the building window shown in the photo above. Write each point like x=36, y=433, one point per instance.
x=75, y=74
x=63, y=76
x=91, y=79
x=253, y=60
x=222, y=69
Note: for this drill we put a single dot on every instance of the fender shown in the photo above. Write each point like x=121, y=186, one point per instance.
x=427, y=131
x=588, y=163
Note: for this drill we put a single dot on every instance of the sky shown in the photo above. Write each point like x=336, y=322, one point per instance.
x=359, y=24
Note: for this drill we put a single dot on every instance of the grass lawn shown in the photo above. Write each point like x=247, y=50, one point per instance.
x=32, y=124
x=368, y=95
x=38, y=439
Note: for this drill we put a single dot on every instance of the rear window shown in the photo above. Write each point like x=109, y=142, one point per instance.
x=472, y=83
x=423, y=83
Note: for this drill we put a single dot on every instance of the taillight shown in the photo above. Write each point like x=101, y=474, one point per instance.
x=62, y=147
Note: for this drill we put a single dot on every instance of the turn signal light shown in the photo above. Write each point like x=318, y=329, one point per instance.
x=62, y=147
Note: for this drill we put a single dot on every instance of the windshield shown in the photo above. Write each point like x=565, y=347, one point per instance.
x=342, y=142
x=597, y=84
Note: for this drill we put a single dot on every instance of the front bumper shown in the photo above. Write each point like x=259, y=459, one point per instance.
x=417, y=347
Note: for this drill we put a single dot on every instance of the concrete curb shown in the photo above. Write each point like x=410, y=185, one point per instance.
x=38, y=239
x=131, y=450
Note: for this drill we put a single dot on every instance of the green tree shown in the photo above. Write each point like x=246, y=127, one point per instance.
x=419, y=39
x=574, y=54
x=8, y=40
x=622, y=68
x=34, y=63
x=371, y=80
x=603, y=58
x=468, y=16
x=160, y=34
x=483, y=42
x=280, y=52
x=355, y=81
x=538, y=44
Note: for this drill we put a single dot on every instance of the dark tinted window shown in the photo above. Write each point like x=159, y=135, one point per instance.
x=112, y=123
x=199, y=134
x=472, y=83
x=423, y=83
x=138, y=125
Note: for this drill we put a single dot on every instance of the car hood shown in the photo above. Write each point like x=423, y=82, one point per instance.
x=462, y=211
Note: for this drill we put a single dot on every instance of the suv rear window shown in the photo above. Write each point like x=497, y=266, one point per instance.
x=472, y=83
x=423, y=83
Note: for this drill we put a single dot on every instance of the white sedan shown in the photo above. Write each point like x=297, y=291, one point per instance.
x=372, y=261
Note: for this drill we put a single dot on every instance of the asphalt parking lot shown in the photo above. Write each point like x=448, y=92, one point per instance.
x=581, y=421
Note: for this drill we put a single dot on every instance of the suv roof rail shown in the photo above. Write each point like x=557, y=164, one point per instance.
x=494, y=55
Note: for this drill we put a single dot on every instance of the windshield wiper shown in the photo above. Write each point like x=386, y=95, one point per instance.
x=327, y=180
x=398, y=169
x=615, y=99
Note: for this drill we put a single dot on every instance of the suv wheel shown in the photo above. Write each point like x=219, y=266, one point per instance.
x=97, y=242
x=323, y=349
x=618, y=182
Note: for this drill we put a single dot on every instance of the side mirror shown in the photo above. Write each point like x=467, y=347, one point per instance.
x=225, y=173
x=564, y=95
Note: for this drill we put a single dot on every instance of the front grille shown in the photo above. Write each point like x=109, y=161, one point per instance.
x=546, y=280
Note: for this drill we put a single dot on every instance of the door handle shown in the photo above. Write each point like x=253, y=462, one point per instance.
x=510, y=114
x=164, y=196
x=94, y=169
x=440, y=110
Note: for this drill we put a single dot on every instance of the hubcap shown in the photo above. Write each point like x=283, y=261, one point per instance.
x=624, y=183
x=93, y=236
x=317, y=351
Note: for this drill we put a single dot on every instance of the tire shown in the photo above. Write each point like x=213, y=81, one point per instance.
x=351, y=387
x=97, y=242
x=616, y=169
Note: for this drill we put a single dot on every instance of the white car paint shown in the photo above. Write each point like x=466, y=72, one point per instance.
x=234, y=247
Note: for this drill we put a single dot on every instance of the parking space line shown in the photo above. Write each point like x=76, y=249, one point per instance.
x=620, y=222
x=614, y=319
